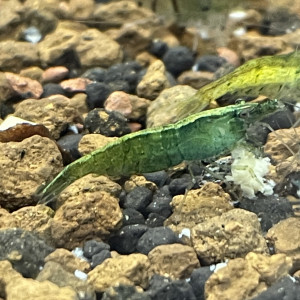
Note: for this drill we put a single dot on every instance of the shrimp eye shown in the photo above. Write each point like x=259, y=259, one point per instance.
x=245, y=113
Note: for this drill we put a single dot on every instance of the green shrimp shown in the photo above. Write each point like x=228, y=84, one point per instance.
x=200, y=136
x=276, y=77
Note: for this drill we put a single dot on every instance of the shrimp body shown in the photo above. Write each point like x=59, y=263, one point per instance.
x=200, y=136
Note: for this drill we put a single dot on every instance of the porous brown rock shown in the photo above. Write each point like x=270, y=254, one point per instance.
x=55, y=112
x=244, y=279
x=10, y=18
x=115, y=14
x=93, y=141
x=68, y=261
x=27, y=165
x=280, y=141
x=195, y=79
x=291, y=38
x=176, y=261
x=54, y=7
x=35, y=219
x=294, y=6
x=270, y=268
x=78, y=9
x=154, y=81
x=231, y=235
x=145, y=58
x=78, y=101
x=139, y=107
x=7, y=274
x=85, y=213
x=34, y=73
x=95, y=48
x=252, y=44
x=124, y=269
x=163, y=110
x=285, y=238
x=63, y=40
x=43, y=15
x=282, y=146
x=14, y=286
x=136, y=37
x=197, y=206
x=27, y=288
x=136, y=180
x=56, y=274
x=90, y=183
x=15, y=55
x=7, y=220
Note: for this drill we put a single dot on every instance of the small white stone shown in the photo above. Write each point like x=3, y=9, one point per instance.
x=81, y=275
x=237, y=15
x=12, y=121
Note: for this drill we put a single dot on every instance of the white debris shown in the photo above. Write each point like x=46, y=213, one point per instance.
x=218, y=266
x=185, y=232
x=78, y=252
x=249, y=171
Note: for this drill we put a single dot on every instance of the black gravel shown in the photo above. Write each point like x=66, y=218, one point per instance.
x=198, y=278
x=69, y=146
x=270, y=209
x=132, y=216
x=97, y=93
x=163, y=288
x=92, y=247
x=155, y=220
x=99, y=258
x=210, y=63
x=154, y=237
x=160, y=204
x=24, y=250
x=159, y=177
x=139, y=198
x=95, y=74
x=279, y=21
x=286, y=288
x=123, y=292
x=128, y=72
x=158, y=48
x=52, y=89
x=178, y=59
x=125, y=240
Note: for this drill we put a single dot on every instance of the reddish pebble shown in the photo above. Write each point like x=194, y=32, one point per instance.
x=24, y=85
x=119, y=101
x=55, y=74
x=134, y=126
x=75, y=84
x=230, y=55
